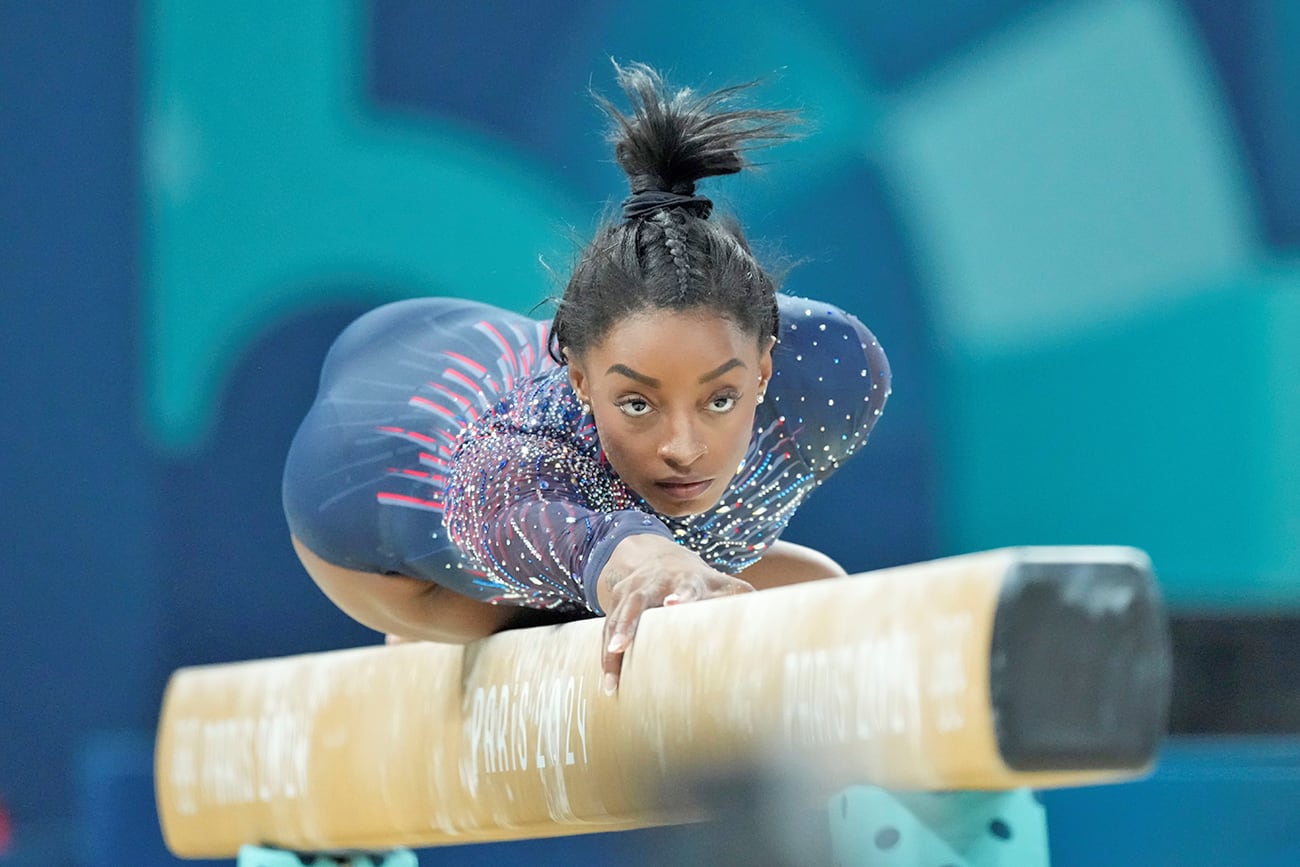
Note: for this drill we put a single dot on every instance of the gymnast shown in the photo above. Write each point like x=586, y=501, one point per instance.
x=465, y=469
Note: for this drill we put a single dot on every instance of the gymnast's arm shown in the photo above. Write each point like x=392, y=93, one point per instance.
x=832, y=377
x=547, y=520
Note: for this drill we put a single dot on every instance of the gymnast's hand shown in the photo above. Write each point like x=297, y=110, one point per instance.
x=647, y=571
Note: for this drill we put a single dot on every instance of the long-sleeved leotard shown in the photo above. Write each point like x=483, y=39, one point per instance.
x=444, y=444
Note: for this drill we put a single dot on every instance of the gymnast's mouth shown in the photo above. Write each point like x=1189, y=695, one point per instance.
x=678, y=489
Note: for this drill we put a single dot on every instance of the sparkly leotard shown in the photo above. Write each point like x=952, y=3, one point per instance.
x=445, y=444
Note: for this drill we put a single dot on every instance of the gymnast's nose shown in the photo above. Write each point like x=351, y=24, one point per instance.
x=682, y=444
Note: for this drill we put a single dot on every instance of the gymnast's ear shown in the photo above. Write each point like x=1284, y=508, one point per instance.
x=765, y=359
x=577, y=377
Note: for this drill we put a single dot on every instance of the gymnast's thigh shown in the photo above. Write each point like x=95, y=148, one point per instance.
x=365, y=474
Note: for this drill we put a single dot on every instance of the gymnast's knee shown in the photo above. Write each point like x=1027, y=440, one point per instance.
x=788, y=563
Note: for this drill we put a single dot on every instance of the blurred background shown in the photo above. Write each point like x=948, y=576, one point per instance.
x=1073, y=224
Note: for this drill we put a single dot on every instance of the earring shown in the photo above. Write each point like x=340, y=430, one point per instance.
x=586, y=407
x=760, y=397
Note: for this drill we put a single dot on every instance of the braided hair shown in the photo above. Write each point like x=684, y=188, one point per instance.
x=665, y=252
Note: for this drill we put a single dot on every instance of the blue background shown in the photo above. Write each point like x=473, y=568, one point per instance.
x=1073, y=225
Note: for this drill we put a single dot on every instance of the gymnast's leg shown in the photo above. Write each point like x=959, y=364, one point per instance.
x=364, y=478
x=788, y=563
x=398, y=605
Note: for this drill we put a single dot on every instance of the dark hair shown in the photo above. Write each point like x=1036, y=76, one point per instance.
x=666, y=253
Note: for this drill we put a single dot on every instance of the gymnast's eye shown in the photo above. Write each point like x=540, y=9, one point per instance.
x=723, y=402
x=634, y=406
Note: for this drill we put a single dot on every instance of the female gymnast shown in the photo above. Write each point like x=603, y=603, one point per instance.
x=465, y=470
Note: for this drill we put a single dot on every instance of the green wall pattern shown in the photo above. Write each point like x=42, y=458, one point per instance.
x=1078, y=167
x=270, y=188
x=1174, y=430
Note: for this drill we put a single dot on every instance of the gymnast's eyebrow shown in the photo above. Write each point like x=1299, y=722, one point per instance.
x=721, y=369
x=624, y=370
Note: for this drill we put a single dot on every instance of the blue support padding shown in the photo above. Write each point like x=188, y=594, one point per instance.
x=871, y=827
x=265, y=856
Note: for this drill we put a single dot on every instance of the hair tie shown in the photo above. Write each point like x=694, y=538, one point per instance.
x=646, y=202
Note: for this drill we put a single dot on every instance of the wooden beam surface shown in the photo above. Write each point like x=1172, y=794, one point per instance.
x=1019, y=667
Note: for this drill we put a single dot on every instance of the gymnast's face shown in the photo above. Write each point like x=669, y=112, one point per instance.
x=673, y=394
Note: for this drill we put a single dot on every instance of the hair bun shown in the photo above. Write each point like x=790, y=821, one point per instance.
x=646, y=202
x=670, y=140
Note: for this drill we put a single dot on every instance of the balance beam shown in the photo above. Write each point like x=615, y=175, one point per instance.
x=1019, y=667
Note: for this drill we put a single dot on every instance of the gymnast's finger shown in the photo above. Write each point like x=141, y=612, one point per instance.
x=687, y=591
x=737, y=586
x=719, y=585
x=620, y=628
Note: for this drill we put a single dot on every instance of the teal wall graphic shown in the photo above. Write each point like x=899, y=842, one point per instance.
x=269, y=180
x=1079, y=167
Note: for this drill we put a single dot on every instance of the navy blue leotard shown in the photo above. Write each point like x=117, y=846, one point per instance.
x=445, y=444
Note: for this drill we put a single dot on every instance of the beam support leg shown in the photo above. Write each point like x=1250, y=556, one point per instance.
x=267, y=856
x=871, y=827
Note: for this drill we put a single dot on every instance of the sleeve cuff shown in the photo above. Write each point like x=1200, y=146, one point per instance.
x=622, y=525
